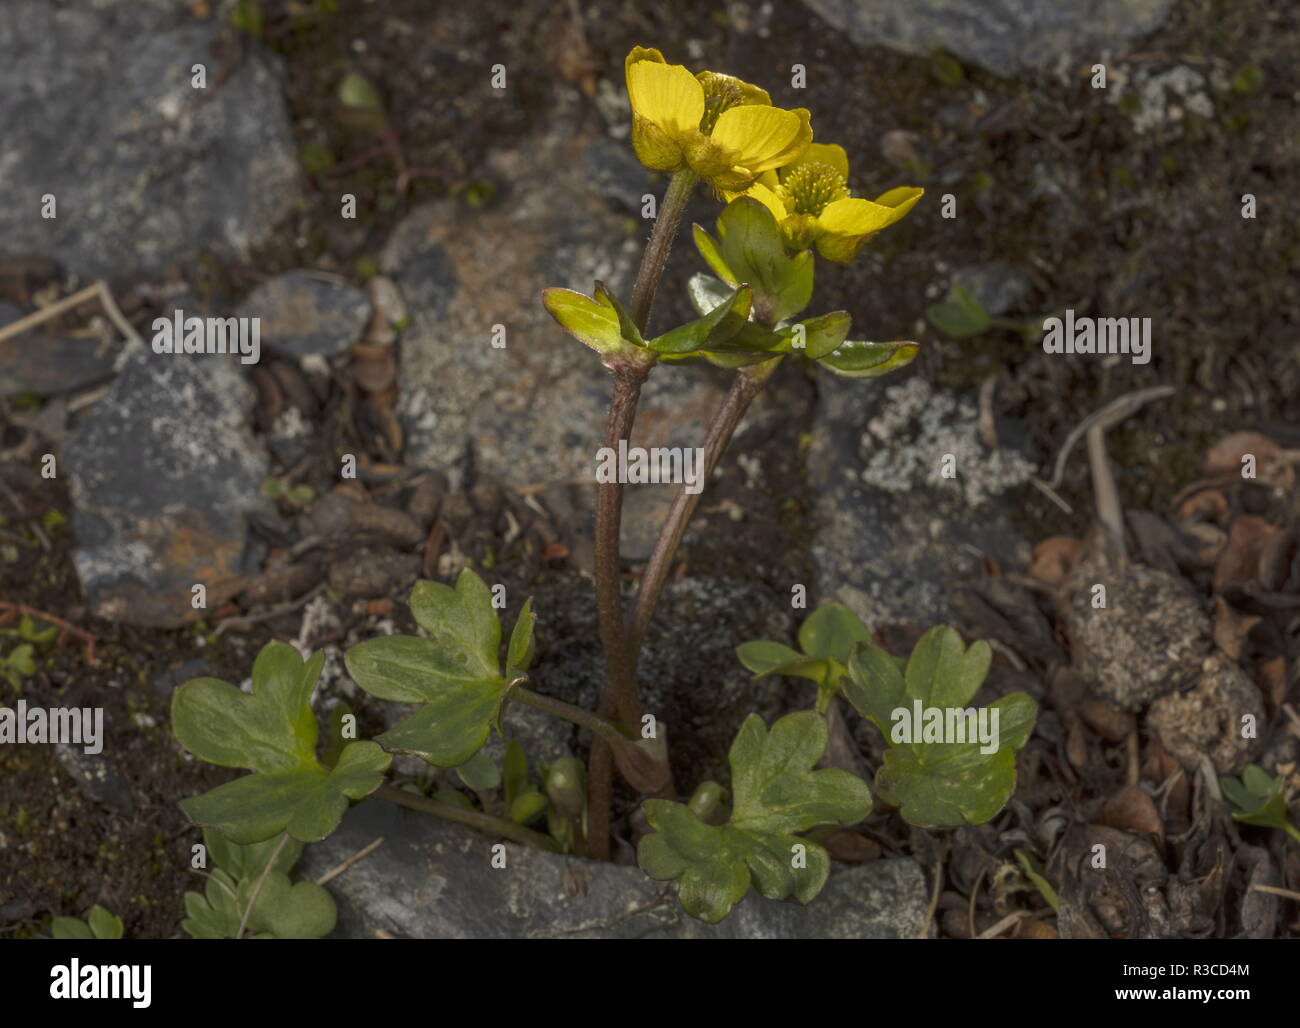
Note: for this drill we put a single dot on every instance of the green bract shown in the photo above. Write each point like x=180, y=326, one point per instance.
x=455, y=675
x=827, y=637
x=272, y=733
x=601, y=323
x=857, y=359
x=777, y=795
x=282, y=909
x=1258, y=800
x=939, y=783
x=749, y=249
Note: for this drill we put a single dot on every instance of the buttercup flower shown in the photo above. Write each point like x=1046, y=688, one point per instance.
x=811, y=201
x=723, y=129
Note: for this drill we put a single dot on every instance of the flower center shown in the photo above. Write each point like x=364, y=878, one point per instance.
x=721, y=92
x=810, y=187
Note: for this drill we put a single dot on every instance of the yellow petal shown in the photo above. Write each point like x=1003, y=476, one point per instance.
x=762, y=138
x=641, y=53
x=666, y=95
x=823, y=153
x=766, y=197
x=846, y=224
x=902, y=199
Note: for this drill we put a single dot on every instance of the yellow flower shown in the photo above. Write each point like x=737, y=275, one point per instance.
x=811, y=201
x=723, y=129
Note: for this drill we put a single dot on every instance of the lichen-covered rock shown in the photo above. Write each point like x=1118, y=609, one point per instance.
x=1149, y=639
x=164, y=473
x=892, y=538
x=1208, y=718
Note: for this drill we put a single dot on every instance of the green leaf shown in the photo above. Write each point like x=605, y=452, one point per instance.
x=822, y=335
x=455, y=675
x=597, y=321
x=593, y=322
x=960, y=315
x=520, y=652
x=272, y=733
x=826, y=637
x=772, y=658
x=308, y=804
x=215, y=913
x=70, y=928
x=356, y=91
x=712, y=254
x=291, y=910
x=707, y=293
x=776, y=795
x=750, y=249
x=1034, y=872
x=103, y=924
x=830, y=631
x=1258, y=799
x=249, y=861
x=528, y=806
x=715, y=327
x=479, y=773
x=855, y=359
x=937, y=771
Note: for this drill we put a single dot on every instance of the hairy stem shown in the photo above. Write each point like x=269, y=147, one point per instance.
x=661, y=242
x=620, y=696
x=747, y=384
x=477, y=820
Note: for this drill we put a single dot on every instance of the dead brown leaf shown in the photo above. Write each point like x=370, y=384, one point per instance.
x=1238, y=564
x=1231, y=628
x=1054, y=558
x=1132, y=810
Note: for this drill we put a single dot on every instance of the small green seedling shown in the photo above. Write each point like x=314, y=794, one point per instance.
x=99, y=924
x=1257, y=799
x=947, y=764
x=826, y=637
x=777, y=796
x=249, y=891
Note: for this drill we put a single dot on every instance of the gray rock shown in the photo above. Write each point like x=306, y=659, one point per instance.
x=371, y=573
x=999, y=288
x=535, y=409
x=303, y=314
x=164, y=472
x=433, y=879
x=1004, y=36
x=146, y=170
x=892, y=538
x=48, y=364
x=98, y=777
